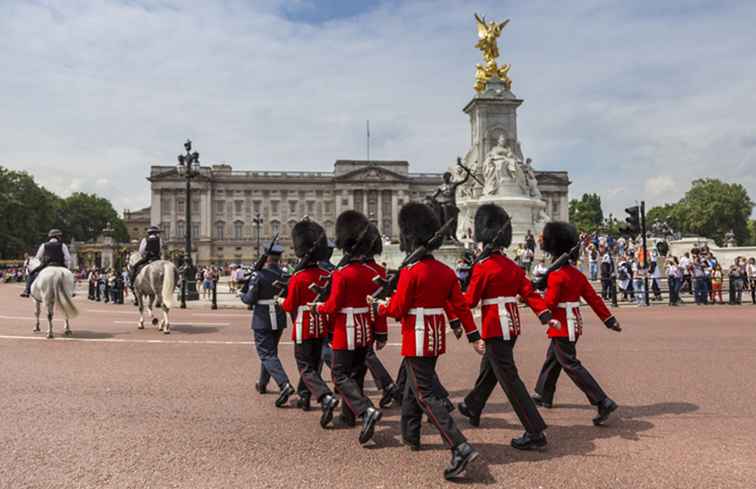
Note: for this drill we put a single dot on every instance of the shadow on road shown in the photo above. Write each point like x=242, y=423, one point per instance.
x=89, y=335
x=189, y=329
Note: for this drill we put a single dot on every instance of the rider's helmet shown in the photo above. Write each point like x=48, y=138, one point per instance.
x=55, y=233
x=153, y=230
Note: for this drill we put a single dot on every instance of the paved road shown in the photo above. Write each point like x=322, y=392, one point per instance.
x=118, y=407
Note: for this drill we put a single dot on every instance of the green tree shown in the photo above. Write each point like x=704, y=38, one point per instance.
x=586, y=213
x=84, y=216
x=27, y=212
x=712, y=207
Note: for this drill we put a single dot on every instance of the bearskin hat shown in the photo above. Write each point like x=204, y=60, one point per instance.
x=350, y=232
x=374, y=240
x=304, y=235
x=417, y=224
x=559, y=237
x=489, y=219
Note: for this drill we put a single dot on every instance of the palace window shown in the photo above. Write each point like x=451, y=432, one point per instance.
x=180, y=229
x=275, y=227
x=292, y=207
x=256, y=206
x=195, y=231
x=180, y=207
x=220, y=206
x=195, y=206
x=274, y=206
x=310, y=207
x=238, y=206
x=238, y=226
x=219, y=228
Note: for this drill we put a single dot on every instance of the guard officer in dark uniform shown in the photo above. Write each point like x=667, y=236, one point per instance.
x=52, y=253
x=268, y=324
x=149, y=248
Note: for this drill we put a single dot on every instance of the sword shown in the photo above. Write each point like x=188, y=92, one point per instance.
x=469, y=172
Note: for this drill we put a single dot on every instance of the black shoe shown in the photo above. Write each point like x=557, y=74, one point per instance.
x=413, y=445
x=530, y=441
x=328, y=404
x=369, y=420
x=605, y=408
x=540, y=401
x=462, y=455
x=24, y=294
x=260, y=388
x=474, y=419
x=389, y=394
x=303, y=403
x=283, y=397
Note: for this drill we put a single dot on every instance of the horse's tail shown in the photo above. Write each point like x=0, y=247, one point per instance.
x=63, y=298
x=169, y=284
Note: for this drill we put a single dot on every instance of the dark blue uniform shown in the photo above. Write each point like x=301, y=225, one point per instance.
x=267, y=332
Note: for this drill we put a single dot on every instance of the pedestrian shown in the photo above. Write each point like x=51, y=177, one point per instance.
x=674, y=280
x=310, y=331
x=527, y=260
x=607, y=275
x=751, y=274
x=353, y=330
x=655, y=273
x=426, y=289
x=268, y=323
x=496, y=284
x=717, y=278
x=593, y=262
x=566, y=287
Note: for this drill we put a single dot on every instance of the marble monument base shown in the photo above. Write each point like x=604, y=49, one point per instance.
x=527, y=214
x=447, y=254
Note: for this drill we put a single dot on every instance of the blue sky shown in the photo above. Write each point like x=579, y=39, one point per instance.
x=634, y=99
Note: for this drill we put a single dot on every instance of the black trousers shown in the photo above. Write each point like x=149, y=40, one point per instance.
x=498, y=365
x=562, y=355
x=419, y=397
x=266, y=344
x=348, y=370
x=401, y=382
x=380, y=375
x=308, y=357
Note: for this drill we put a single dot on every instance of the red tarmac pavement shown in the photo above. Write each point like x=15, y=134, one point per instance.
x=117, y=407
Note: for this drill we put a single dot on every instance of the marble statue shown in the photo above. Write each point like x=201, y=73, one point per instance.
x=531, y=180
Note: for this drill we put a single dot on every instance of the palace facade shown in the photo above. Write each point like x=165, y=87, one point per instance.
x=234, y=210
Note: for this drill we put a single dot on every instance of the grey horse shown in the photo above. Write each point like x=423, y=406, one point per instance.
x=53, y=285
x=156, y=281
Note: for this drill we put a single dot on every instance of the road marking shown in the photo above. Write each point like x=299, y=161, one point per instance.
x=179, y=323
x=221, y=314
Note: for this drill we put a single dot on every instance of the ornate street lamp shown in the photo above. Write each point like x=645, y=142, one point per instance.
x=258, y=220
x=188, y=167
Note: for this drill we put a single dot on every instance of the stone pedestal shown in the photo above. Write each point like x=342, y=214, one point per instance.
x=527, y=214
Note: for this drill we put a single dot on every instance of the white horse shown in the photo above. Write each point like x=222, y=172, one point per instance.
x=53, y=285
x=156, y=281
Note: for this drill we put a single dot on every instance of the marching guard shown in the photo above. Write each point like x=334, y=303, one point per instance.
x=310, y=330
x=424, y=290
x=353, y=331
x=495, y=283
x=565, y=287
x=268, y=323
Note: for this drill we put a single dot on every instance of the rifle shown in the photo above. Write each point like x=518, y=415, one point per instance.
x=259, y=264
x=322, y=292
x=388, y=284
x=283, y=284
x=564, y=258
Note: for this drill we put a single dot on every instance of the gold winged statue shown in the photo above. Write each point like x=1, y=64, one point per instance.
x=488, y=33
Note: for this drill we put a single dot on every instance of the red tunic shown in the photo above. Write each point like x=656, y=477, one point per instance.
x=306, y=327
x=380, y=322
x=496, y=282
x=564, y=289
x=427, y=289
x=352, y=327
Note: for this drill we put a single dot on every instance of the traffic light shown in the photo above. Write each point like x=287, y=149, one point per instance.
x=633, y=224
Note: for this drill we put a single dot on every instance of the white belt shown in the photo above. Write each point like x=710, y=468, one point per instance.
x=350, y=312
x=505, y=320
x=271, y=303
x=571, y=317
x=298, y=323
x=420, y=313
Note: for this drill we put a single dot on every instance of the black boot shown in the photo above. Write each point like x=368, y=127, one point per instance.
x=474, y=419
x=369, y=420
x=347, y=420
x=328, y=404
x=260, y=388
x=540, y=401
x=286, y=391
x=389, y=394
x=530, y=441
x=413, y=445
x=303, y=403
x=462, y=455
x=605, y=408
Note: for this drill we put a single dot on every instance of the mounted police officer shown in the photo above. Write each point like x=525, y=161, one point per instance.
x=149, y=248
x=53, y=253
x=268, y=323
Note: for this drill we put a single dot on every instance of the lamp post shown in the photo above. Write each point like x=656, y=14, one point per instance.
x=258, y=220
x=188, y=167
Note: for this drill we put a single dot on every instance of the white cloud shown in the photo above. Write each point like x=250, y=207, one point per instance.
x=615, y=92
x=660, y=186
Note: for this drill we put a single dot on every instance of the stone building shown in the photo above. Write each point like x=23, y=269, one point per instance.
x=137, y=223
x=225, y=203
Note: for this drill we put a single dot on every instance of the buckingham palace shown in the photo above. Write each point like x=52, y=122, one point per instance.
x=233, y=210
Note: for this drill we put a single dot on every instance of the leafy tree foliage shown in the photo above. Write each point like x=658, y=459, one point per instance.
x=586, y=213
x=28, y=211
x=710, y=208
